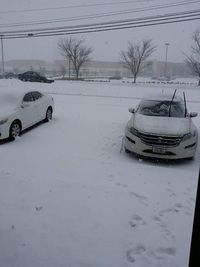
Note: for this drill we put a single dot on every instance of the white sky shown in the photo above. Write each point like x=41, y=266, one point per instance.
x=107, y=45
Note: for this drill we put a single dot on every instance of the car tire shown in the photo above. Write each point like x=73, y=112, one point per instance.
x=49, y=113
x=15, y=130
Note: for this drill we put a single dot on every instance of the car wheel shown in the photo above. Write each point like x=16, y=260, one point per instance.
x=15, y=130
x=48, y=115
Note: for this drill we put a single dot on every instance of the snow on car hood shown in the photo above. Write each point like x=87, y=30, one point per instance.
x=161, y=125
x=8, y=104
x=6, y=110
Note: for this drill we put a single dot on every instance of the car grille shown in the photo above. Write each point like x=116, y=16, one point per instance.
x=160, y=140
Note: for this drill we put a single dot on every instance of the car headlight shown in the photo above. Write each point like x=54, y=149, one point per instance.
x=3, y=121
x=189, y=135
x=132, y=130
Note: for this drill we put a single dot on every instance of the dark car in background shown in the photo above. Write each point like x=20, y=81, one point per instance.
x=32, y=76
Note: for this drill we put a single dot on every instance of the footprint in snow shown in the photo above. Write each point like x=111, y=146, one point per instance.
x=133, y=253
x=163, y=227
x=157, y=254
x=136, y=221
x=39, y=208
x=122, y=185
x=176, y=208
x=170, y=251
x=171, y=193
x=141, y=198
x=162, y=252
x=5, y=174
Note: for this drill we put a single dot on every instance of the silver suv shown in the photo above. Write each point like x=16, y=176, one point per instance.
x=161, y=127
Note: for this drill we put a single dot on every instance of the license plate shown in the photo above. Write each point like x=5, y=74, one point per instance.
x=159, y=149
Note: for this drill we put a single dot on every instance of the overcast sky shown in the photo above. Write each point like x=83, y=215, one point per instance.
x=107, y=45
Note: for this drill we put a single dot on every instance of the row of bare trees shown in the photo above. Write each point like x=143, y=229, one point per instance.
x=134, y=58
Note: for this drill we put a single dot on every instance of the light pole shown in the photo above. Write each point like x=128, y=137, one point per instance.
x=69, y=67
x=2, y=54
x=165, y=70
x=69, y=58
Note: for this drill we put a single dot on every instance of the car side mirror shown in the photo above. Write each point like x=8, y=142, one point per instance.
x=193, y=114
x=131, y=110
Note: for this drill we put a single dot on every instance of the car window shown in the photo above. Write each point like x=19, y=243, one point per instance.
x=36, y=95
x=28, y=97
x=162, y=108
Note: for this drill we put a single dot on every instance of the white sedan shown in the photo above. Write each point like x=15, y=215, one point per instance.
x=161, y=127
x=20, y=110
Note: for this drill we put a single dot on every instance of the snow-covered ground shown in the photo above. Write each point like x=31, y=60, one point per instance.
x=68, y=197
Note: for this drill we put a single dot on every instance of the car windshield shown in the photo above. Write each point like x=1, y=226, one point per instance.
x=162, y=108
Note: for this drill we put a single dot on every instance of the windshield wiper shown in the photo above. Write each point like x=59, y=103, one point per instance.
x=171, y=102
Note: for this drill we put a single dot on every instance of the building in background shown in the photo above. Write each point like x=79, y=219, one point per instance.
x=95, y=69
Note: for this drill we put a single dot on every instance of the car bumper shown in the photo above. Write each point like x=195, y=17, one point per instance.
x=4, y=131
x=185, y=149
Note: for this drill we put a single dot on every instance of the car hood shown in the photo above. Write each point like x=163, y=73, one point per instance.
x=161, y=125
x=6, y=110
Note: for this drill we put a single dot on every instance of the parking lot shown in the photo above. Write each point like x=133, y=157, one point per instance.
x=71, y=197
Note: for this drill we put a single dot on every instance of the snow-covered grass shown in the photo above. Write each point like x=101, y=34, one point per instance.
x=149, y=80
x=70, y=198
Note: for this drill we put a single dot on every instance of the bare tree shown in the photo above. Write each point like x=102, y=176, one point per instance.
x=193, y=60
x=76, y=52
x=134, y=59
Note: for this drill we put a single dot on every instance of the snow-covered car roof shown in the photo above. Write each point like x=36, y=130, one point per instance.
x=162, y=97
x=12, y=95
